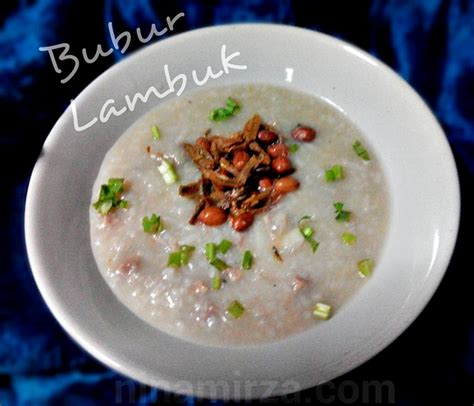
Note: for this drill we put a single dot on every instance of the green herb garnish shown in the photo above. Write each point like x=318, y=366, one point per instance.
x=219, y=264
x=361, y=151
x=168, y=172
x=307, y=232
x=366, y=267
x=341, y=214
x=236, y=309
x=152, y=224
x=181, y=257
x=348, y=238
x=293, y=148
x=247, y=260
x=210, y=251
x=322, y=311
x=224, y=246
x=335, y=173
x=224, y=113
x=155, y=132
x=216, y=282
x=109, y=196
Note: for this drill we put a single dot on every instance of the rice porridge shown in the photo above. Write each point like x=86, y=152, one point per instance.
x=239, y=215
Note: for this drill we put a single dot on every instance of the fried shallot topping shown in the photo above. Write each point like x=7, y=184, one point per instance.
x=242, y=175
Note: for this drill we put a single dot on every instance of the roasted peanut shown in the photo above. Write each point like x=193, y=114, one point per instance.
x=304, y=134
x=239, y=159
x=267, y=136
x=286, y=185
x=265, y=184
x=242, y=221
x=281, y=165
x=277, y=150
x=212, y=216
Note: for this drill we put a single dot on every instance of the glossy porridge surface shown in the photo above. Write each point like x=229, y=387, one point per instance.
x=278, y=296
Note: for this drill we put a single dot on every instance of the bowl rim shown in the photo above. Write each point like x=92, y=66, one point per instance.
x=33, y=190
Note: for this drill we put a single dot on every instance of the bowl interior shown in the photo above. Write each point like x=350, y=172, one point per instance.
x=413, y=150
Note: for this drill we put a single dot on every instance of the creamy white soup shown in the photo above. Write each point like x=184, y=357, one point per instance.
x=239, y=215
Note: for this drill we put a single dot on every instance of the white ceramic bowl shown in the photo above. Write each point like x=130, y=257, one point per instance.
x=423, y=226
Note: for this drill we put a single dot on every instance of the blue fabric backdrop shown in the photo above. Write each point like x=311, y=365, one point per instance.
x=429, y=42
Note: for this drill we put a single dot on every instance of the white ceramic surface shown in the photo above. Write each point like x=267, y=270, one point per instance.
x=423, y=226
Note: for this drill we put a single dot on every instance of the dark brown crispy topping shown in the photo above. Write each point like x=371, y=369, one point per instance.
x=238, y=174
x=276, y=254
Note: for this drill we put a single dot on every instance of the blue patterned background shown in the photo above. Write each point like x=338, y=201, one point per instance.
x=429, y=42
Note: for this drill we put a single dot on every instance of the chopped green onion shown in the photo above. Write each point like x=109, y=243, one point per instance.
x=104, y=207
x=186, y=252
x=109, y=196
x=247, y=260
x=174, y=259
x=155, y=132
x=216, y=282
x=226, y=112
x=361, y=151
x=293, y=148
x=219, y=264
x=335, y=173
x=231, y=104
x=180, y=257
x=348, y=238
x=307, y=232
x=341, y=214
x=366, y=267
x=236, y=309
x=224, y=246
x=210, y=251
x=152, y=224
x=168, y=172
x=322, y=311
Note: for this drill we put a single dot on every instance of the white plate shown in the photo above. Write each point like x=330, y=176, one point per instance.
x=424, y=219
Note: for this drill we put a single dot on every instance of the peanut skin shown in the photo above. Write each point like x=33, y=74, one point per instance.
x=242, y=221
x=212, y=216
x=277, y=150
x=286, y=185
x=239, y=159
x=267, y=136
x=304, y=134
x=281, y=165
x=265, y=184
